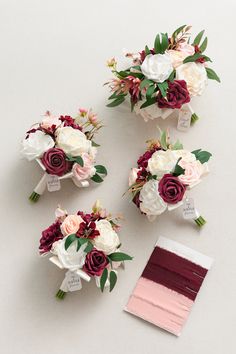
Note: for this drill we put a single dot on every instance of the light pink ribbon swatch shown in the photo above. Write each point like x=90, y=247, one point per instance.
x=169, y=284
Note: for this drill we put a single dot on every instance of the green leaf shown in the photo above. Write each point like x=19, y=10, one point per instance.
x=172, y=76
x=177, y=31
x=80, y=241
x=164, y=42
x=178, y=170
x=177, y=145
x=163, y=87
x=95, y=144
x=116, y=102
x=163, y=140
x=80, y=161
x=114, y=95
x=202, y=156
x=157, y=44
x=150, y=91
x=101, y=169
x=149, y=102
x=89, y=247
x=123, y=73
x=103, y=279
x=147, y=50
x=119, y=257
x=203, y=46
x=192, y=58
x=96, y=178
x=198, y=38
x=211, y=74
x=113, y=279
x=136, y=67
x=145, y=83
x=138, y=75
x=71, y=238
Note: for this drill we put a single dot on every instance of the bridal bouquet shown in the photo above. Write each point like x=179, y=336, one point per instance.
x=164, y=174
x=165, y=77
x=86, y=246
x=64, y=148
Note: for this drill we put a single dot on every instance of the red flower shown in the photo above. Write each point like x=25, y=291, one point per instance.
x=171, y=189
x=201, y=60
x=49, y=236
x=177, y=95
x=87, y=228
x=95, y=262
x=69, y=122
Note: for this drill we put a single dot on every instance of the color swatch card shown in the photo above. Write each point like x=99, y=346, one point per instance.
x=168, y=286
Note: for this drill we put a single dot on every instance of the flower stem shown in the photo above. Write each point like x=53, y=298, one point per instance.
x=194, y=118
x=34, y=197
x=60, y=294
x=200, y=221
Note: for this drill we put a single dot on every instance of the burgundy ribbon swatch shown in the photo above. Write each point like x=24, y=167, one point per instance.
x=169, y=284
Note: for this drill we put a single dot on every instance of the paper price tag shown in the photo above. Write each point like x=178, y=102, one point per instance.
x=189, y=211
x=73, y=281
x=53, y=183
x=184, y=120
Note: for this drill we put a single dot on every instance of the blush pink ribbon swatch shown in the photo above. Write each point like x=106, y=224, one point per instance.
x=168, y=286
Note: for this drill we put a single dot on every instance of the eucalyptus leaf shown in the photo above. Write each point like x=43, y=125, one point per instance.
x=103, y=279
x=113, y=279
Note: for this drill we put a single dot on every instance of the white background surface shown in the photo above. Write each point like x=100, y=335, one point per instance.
x=53, y=56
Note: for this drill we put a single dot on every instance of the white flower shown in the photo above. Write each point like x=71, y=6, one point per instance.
x=157, y=67
x=151, y=202
x=152, y=111
x=195, y=76
x=70, y=258
x=108, y=240
x=72, y=141
x=36, y=144
x=162, y=162
x=185, y=155
x=133, y=175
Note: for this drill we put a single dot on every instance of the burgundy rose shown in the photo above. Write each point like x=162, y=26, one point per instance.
x=171, y=189
x=95, y=262
x=177, y=95
x=55, y=162
x=143, y=159
x=136, y=199
x=49, y=236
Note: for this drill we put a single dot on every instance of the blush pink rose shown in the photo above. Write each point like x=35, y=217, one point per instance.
x=71, y=224
x=49, y=121
x=192, y=172
x=186, y=48
x=88, y=170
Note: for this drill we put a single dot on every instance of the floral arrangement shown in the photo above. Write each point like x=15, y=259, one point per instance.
x=64, y=148
x=86, y=245
x=165, y=77
x=164, y=174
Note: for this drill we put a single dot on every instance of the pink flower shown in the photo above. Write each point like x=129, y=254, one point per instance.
x=83, y=112
x=49, y=121
x=71, y=224
x=88, y=170
x=186, y=48
x=192, y=172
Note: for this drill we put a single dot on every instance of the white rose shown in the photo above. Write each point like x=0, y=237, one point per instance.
x=157, y=67
x=108, y=240
x=72, y=141
x=162, y=162
x=152, y=111
x=133, y=175
x=151, y=202
x=36, y=144
x=185, y=155
x=70, y=258
x=195, y=76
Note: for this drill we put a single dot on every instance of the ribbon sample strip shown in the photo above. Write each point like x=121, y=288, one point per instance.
x=169, y=284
